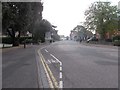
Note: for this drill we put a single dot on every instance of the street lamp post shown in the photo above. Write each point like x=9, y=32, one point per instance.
x=24, y=41
x=118, y=15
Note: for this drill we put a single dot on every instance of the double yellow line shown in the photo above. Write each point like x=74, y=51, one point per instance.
x=51, y=79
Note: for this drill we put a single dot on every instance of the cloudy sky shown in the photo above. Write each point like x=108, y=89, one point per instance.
x=66, y=14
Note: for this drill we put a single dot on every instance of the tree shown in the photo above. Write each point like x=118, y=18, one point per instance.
x=82, y=32
x=101, y=17
x=20, y=17
x=40, y=29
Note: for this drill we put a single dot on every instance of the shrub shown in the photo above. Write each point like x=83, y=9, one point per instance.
x=22, y=39
x=108, y=40
x=8, y=40
x=28, y=40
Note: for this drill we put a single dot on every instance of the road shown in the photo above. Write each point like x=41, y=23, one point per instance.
x=82, y=66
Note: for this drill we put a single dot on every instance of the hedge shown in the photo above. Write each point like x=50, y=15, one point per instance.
x=8, y=40
x=24, y=38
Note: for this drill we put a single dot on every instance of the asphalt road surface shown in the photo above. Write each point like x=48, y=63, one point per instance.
x=83, y=66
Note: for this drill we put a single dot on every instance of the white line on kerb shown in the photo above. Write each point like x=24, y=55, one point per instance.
x=46, y=50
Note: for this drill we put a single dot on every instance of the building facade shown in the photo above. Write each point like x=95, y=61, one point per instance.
x=80, y=33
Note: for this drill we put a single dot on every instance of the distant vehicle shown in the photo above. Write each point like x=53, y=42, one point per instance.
x=63, y=38
x=116, y=40
x=92, y=39
x=67, y=38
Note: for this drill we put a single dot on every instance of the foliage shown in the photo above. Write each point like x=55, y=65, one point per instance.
x=20, y=17
x=8, y=40
x=101, y=17
x=40, y=30
x=82, y=32
x=56, y=37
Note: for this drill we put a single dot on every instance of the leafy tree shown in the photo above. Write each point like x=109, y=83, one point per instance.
x=40, y=29
x=101, y=17
x=82, y=32
x=20, y=17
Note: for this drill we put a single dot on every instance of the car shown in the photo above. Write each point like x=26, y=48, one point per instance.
x=92, y=39
x=116, y=40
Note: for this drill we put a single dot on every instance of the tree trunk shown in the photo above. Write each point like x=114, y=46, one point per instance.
x=15, y=41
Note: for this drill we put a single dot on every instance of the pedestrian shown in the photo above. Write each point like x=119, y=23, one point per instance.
x=80, y=40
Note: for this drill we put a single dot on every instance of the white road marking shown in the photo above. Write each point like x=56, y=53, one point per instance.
x=46, y=50
x=49, y=61
x=61, y=84
x=60, y=68
x=56, y=59
x=52, y=60
x=60, y=75
x=50, y=73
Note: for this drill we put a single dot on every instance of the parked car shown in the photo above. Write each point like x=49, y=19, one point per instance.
x=92, y=39
x=116, y=40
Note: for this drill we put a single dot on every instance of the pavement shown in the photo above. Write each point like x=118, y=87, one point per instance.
x=100, y=45
x=20, y=67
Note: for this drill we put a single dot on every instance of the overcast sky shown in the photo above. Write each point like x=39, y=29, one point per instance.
x=66, y=14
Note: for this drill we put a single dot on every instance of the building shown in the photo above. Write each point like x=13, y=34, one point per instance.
x=62, y=37
x=119, y=5
x=80, y=33
x=55, y=36
x=73, y=35
x=52, y=34
x=110, y=35
x=48, y=36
